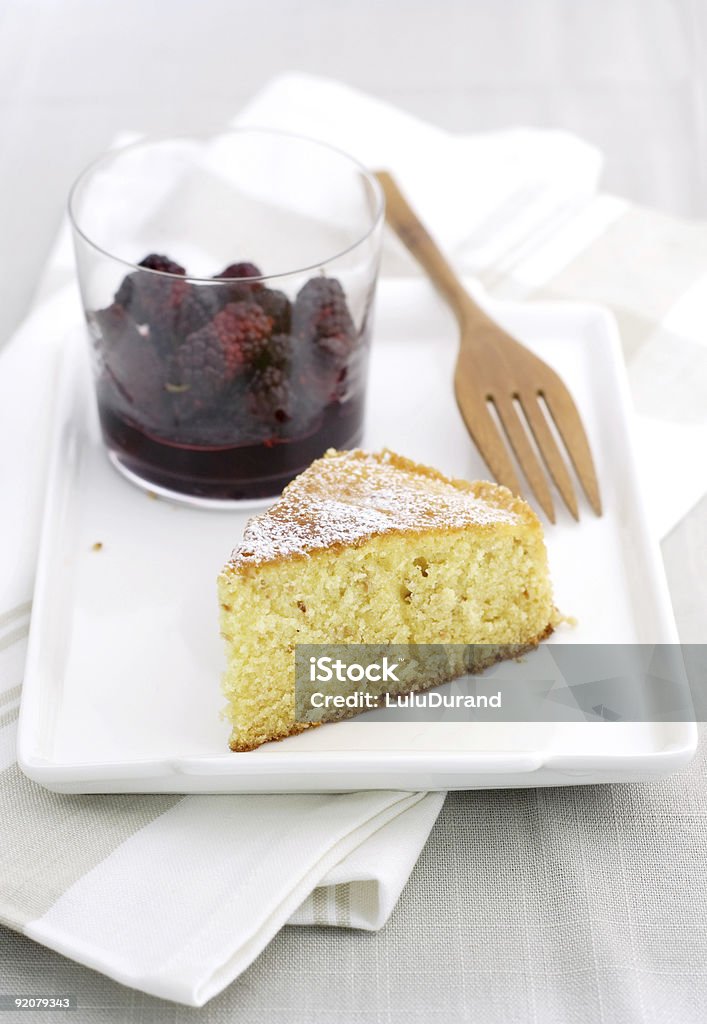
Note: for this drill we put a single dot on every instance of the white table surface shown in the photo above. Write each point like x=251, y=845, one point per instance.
x=629, y=75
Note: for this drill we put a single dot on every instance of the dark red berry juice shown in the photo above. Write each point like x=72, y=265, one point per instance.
x=228, y=472
x=225, y=391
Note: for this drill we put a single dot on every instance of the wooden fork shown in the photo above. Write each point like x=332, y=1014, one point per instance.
x=495, y=372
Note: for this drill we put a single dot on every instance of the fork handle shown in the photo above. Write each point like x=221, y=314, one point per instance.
x=415, y=237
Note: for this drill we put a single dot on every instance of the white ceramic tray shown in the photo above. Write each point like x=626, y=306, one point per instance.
x=121, y=692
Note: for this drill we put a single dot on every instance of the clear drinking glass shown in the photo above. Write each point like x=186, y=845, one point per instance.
x=228, y=283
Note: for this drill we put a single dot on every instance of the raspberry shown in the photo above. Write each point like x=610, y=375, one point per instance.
x=278, y=306
x=243, y=331
x=270, y=394
x=321, y=316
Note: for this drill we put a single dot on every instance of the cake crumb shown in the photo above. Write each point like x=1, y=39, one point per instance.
x=98, y=546
x=152, y=496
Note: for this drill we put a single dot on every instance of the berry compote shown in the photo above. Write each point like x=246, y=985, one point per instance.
x=225, y=391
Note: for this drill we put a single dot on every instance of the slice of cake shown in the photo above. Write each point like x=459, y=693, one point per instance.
x=373, y=549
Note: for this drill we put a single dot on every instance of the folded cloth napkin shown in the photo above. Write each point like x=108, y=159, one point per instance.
x=177, y=895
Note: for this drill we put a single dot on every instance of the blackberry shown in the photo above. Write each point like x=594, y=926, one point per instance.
x=151, y=299
x=243, y=331
x=126, y=292
x=108, y=326
x=322, y=323
x=278, y=306
x=275, y=351
x=136, y=289
x=197, y=307
x=200, y=371
x=270, y=395
x=238, y=286
x=224, y=423
x=162, y=263
x=174, y=322
x=280, y=350
x=138, y=377
x=321, y=317
x=323, y=382
x=240, y=270
x=335, y=348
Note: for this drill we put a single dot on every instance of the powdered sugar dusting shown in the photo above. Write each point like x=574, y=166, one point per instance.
x=346, y=497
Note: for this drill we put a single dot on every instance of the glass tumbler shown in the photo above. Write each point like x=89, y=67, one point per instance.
x=227, y=282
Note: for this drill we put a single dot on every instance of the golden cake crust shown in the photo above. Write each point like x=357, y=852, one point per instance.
x=347, y=497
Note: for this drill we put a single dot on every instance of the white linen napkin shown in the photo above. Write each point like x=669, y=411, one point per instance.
x=176, y=896
x=485, y=196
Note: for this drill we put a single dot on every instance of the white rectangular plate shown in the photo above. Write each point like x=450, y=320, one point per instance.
x=121, y=692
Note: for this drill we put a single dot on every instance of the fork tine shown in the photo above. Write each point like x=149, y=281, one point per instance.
x=527, y=458
x=488, y=359
x=570, y=428
x=549, y=451
x=486, y=436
